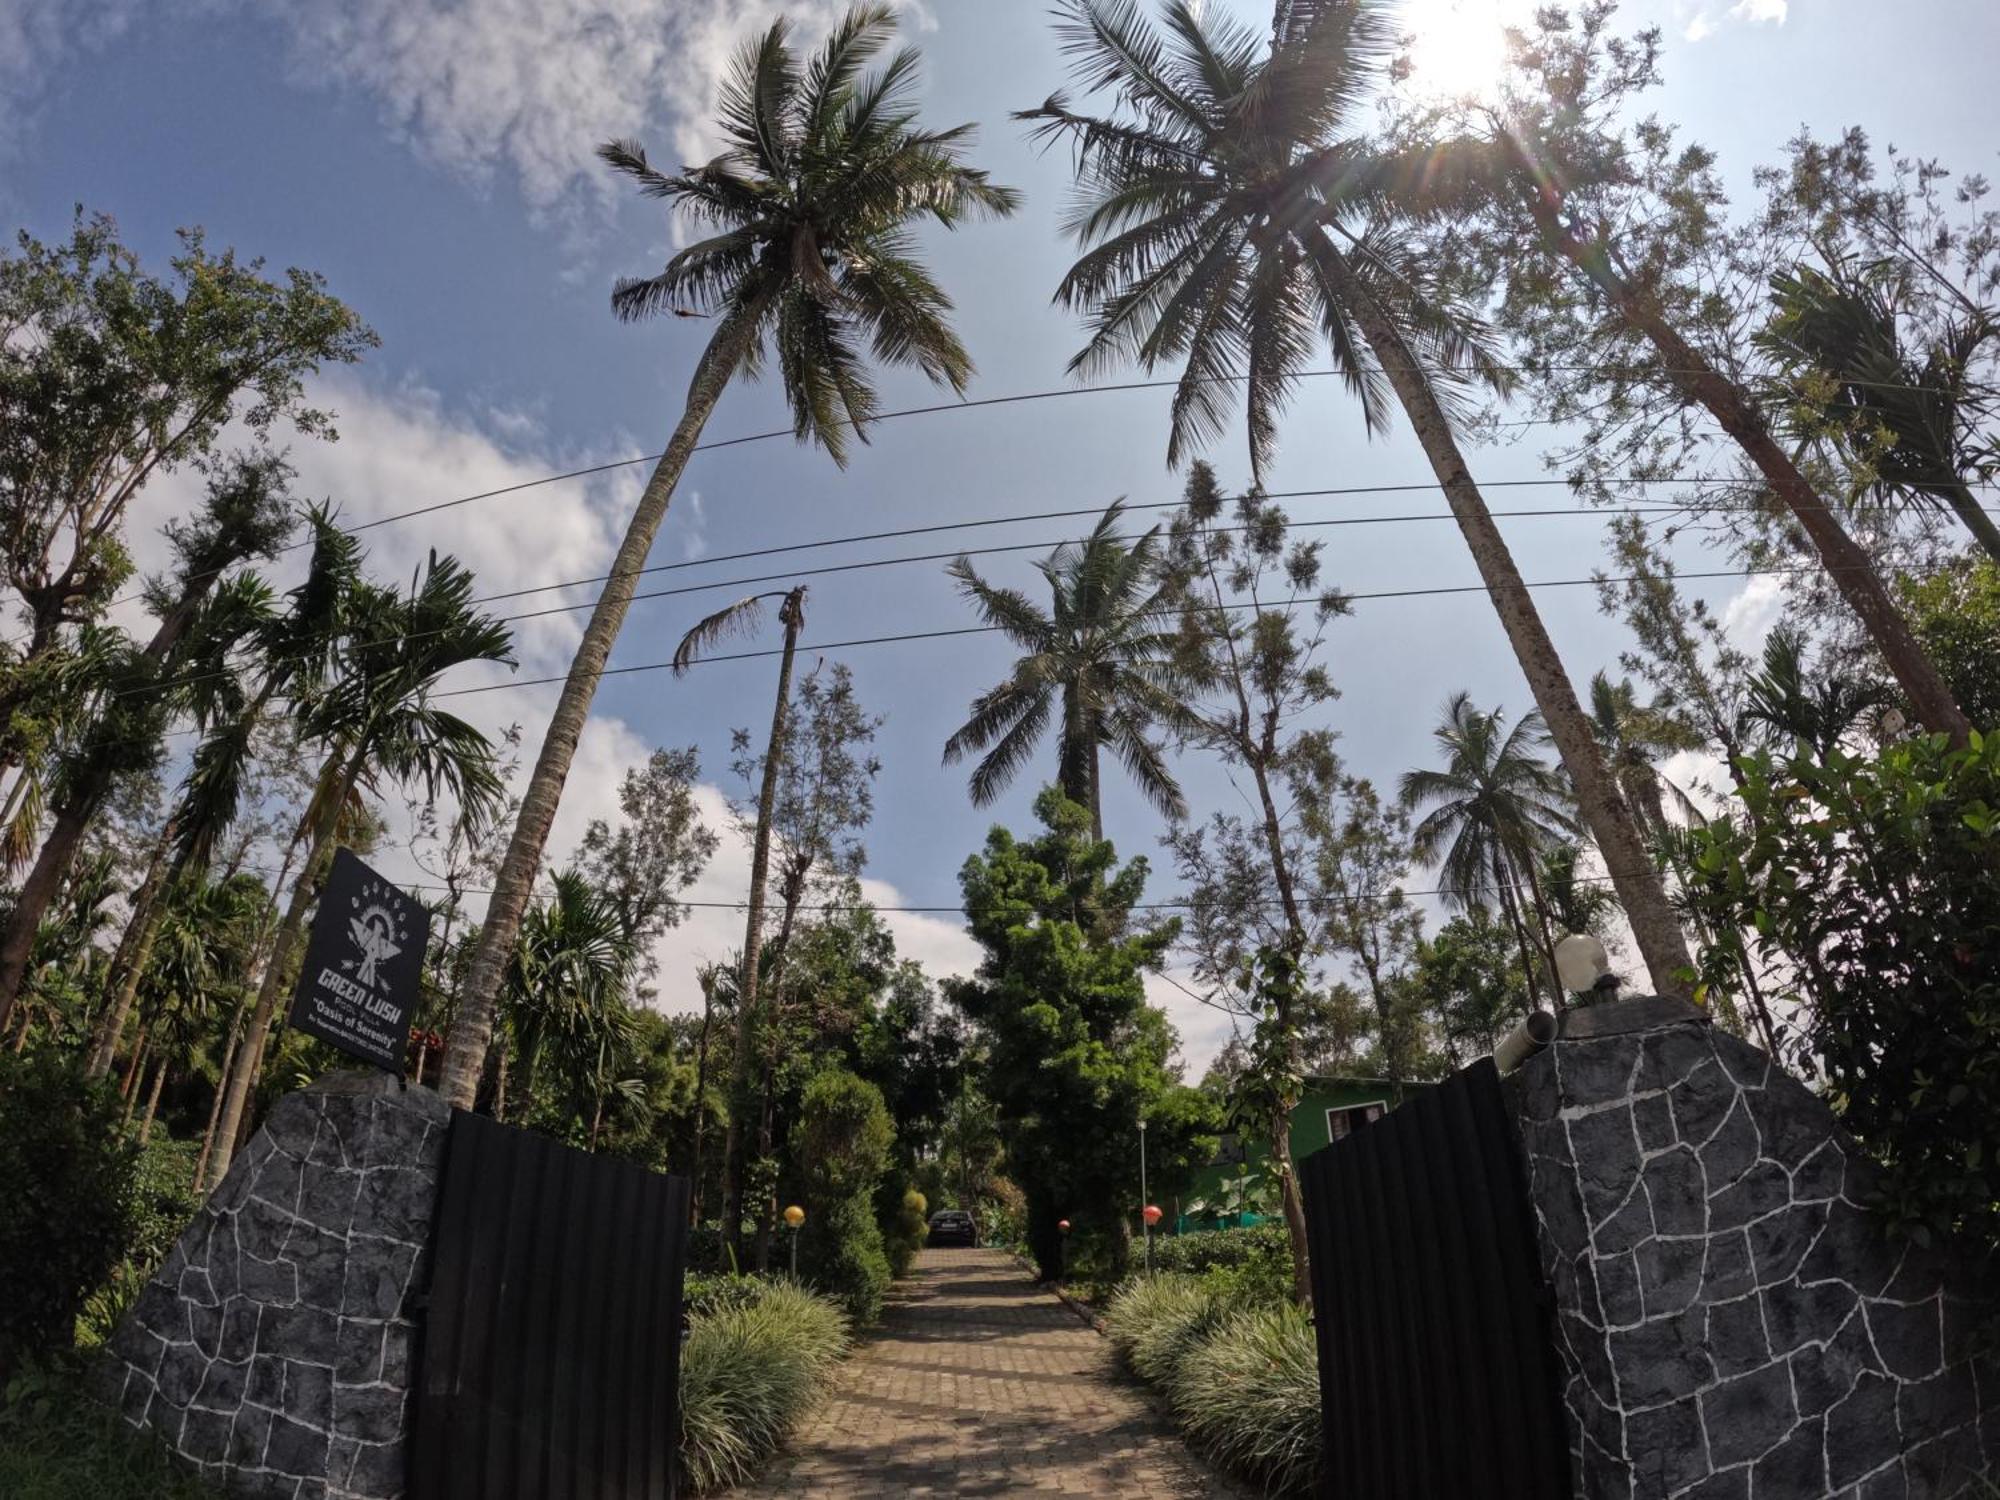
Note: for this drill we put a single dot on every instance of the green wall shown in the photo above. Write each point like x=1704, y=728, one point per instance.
x=1309, y=1129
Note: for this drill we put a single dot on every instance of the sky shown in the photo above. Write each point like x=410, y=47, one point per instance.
x=433, y=159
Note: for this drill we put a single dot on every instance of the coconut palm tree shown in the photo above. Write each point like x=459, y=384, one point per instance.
x=1496, y=807
x=741, y=616
x=372, y=711
x=1914, y=424
x=1097, y=660
x=824, y=172
x=1235, y=219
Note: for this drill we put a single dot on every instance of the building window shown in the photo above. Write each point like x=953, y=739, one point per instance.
x=1341, y=1123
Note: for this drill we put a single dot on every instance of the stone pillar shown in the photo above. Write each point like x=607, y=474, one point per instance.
x=1733, y=1321
x=273, y=1348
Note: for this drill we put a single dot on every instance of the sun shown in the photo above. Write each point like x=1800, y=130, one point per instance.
x=1458, y=47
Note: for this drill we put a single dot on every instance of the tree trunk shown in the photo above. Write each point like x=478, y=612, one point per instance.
x=21, y=1032
x=746, y=987
x=250, y=1059
x=1698, y=380
x=1984, y=529
x=131, y=1079
x=500, y=1083
x=472, y=1028
x=135, y=951
x=1633, y=874
x=1510, y=904
x=221, y=1087
x=700, y=1103
x=153, y=1102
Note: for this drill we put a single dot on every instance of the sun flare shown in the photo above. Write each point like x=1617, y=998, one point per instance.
x=1457, y=47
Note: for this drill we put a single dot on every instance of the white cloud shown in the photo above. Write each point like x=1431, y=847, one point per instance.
x=1748, y=617
x=524, y=87
x=1699, y=27
x=1760, y=12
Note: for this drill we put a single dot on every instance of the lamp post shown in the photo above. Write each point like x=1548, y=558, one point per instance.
x=794, y=1217
x=1062, y=1248
x=1148, y=1209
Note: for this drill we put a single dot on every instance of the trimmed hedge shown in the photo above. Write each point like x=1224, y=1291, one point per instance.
x=751, y=1366
x=1206, y=1249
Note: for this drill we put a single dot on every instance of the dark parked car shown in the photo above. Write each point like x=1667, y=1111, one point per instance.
x=953, y=1226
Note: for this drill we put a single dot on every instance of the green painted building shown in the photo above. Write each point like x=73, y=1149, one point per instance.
x=1328, y=1110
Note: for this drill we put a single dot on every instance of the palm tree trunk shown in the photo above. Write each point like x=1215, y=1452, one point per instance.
x=1698, y=380
x=1982, y=526
x=340, y=779
x=221, y=1087
x=1633, y=874
x=1546, y=928
x=131, y=1079
x=1504, y=881
x=753, y=938
x=135, y=951
x=21, y=1033
x=472, y=1028
x=700, y=1102
x=500, y=1083
x=153, y=1102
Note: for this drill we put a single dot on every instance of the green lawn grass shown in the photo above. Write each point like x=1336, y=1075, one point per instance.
x=57, y=1444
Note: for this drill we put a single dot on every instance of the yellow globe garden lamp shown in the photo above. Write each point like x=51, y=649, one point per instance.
x=794, y=1217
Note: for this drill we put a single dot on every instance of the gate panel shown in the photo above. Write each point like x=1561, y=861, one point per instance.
x=551, y=1358
x=1438, y=1372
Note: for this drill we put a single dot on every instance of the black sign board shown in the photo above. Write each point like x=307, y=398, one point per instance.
x=363, y=964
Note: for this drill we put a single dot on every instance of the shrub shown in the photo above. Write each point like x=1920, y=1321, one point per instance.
x=1878, y=879
x=66, y=1175
x=1154, y=1322
x=162, y=1200
x=749, y=1373
x=1249, y=1395
x=1207, y=1249
x=841, y=1141
x=702, y=1295
x=907, y=1231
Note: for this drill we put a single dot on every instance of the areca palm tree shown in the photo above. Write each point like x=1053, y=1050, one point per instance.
x=1633, y=735
x=1235, y=219
x=1785, y=700
x=565, y=991
x=1496, y=808
x=1912, y=422
x=1097, y=663
x=825, y=171
x=373, y=713
x=740, y=616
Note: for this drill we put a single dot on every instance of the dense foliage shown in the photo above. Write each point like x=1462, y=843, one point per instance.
x=841, y=1144
x=1075, y=1055
x=67, y=1180
x=1876, y=877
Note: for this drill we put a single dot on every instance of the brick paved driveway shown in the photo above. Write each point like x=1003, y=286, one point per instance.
x=979, y=1383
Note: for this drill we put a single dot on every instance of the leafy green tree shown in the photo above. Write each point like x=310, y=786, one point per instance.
x=1074, y=1054
x=1787, y=700
x=111, y=377
x=1097, y=661
x=372, y=713
x=824, y=173
x=1876, y=878
x=1469, y=977
x=1235, y=218
x=1956, y=614
x=659, y=848
x=1609, y=240
x=245, y=514
x=1496, y=807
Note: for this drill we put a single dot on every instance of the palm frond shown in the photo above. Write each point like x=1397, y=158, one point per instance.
x=740, y=618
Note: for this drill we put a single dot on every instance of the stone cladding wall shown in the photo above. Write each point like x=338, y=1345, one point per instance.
x=273, y=1348
x=1734, y=1323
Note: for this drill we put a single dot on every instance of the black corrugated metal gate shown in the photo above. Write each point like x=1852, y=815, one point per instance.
x=551, y=1355
x=1437, y=1368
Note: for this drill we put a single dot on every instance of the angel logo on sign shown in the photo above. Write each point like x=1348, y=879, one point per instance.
x=363, y=965
x=375, y=933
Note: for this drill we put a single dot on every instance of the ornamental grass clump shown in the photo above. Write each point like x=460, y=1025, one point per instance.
x=1155, y=1322
x=749, y=1374
x=1249, y=1396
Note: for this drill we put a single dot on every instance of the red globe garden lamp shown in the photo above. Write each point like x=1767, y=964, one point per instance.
x=1062, y=1247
